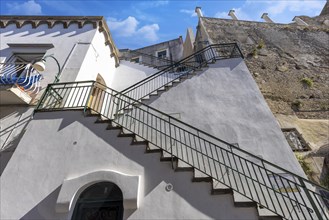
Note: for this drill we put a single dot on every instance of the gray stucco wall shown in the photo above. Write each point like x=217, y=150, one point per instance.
x=175, y=49
x=13, y=122
x=129, y=73
x=63, y=145
x=225, y=101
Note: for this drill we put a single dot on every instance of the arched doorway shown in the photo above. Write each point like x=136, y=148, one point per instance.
x=100, y=201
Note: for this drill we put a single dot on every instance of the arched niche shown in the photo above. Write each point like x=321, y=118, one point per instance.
x=102, y=200
x=72, y=189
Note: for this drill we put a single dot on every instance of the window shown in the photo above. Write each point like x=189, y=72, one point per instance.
x=135, y=59
x=162, y=54
x=100, y=201
x=21, y=59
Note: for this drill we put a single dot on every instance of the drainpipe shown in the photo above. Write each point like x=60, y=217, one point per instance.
x=199, y=12
x=232, y=14
x=267, y=18
x=299, y=21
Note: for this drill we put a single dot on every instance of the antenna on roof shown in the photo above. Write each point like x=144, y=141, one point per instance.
x=232, y=14
x=267, y=18
x=299, y=21
x=198, y=11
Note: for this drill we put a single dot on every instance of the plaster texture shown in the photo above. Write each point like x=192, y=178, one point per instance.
x=174, y=49
x=81, y=52
x=62, y=41
x=13, y=122
x=129, y=73
x=58, y=146
x=225, y=101
x=68, y=194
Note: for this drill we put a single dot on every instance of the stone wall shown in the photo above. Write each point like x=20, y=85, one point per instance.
x=290, y=63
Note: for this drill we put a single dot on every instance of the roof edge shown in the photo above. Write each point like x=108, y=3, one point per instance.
x=51, y=21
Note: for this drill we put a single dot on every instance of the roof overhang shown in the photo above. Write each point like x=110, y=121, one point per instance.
x=35, y=21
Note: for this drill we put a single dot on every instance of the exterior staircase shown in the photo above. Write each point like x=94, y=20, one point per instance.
x=253, y=181
x=186, y=67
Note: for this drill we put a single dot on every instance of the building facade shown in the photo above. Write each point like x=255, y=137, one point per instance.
x=113, y=139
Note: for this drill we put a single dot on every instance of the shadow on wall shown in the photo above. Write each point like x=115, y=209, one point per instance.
x=11, y=133
x=43, y=30
x=156, y=174
x=46, y=208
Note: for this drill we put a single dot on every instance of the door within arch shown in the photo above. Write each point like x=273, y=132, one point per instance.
x=100, y=201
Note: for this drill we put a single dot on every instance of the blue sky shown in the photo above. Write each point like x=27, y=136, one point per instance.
x=135, y=24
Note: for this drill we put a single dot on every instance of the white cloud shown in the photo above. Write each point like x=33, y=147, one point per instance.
x=189, y=12
x=294, y=6
x=280, y=11
x=149, y=32
x=26, y=8
x=221, y=14
x=125, y=28
x=239, y=12
x=129, y=28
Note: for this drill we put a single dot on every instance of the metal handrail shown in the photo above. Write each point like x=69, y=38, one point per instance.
x=277, y=189
x=184, y=67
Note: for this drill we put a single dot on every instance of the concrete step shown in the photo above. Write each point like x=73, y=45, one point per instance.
x=151, y=148
x=167, y=157
x=113, y=126
x=242, y=201
x=198, y=176
x=218, y=188
x=102, y=121
x=139, y=141
x=176, y=80
x=182, y=166
x=126, y=135
x=90, y=113
x=265, y=214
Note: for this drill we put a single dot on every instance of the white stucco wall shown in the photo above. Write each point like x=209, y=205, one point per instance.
x=65, y=46
x=224, y=100
x=98, y=60
x=65, y=145
x=129, y=73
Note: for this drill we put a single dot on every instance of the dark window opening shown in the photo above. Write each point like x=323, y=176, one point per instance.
x=295, y=139
x=162, y=54
x=101, y=201
x=135, y=59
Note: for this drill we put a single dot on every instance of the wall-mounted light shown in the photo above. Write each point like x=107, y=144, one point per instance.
x=41, y=66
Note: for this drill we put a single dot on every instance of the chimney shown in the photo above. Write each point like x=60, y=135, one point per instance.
x=232, y=14
x=198, y=11
x=267, y=18
x=299, y=21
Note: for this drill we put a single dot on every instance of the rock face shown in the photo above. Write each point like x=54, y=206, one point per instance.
x=290, y=63
x=325, y=10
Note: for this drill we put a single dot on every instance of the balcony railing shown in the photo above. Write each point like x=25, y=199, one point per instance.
x=21, y=74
